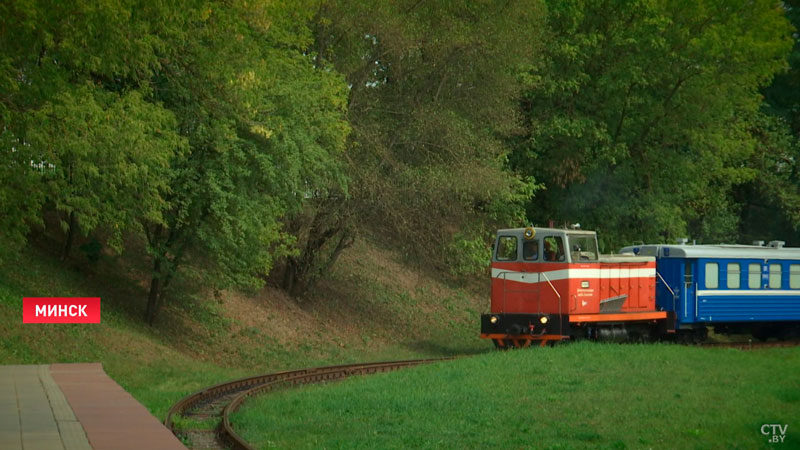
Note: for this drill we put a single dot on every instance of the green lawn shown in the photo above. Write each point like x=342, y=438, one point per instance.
x=572, y=396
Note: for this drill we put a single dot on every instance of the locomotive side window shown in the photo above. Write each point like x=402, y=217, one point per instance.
x=754, y=276
x=794, y=276
x=507, y=248
x=582, y=247
x=775, y=276
x=733, y=276
x=553, y=248
x=530, y=250
x=712, y=275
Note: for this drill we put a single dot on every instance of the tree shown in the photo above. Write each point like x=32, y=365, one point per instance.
x=770, y=202
x=20, y=199
x=432, y=97
x=199, y=123
x=79, y=130
x=107, y=159
x=638, y=117
x=264, y=128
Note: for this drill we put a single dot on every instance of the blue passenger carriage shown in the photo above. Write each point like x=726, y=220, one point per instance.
x=734, y=288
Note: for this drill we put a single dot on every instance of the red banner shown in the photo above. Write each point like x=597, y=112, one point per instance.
x=61, y=310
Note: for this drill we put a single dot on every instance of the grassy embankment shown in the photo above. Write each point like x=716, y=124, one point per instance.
x=574, y=396
x=373, y=308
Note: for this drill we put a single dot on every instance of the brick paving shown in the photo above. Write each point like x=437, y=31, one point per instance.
x=74, y=407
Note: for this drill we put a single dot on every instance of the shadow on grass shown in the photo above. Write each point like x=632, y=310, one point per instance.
x=120, y=280
x=437, y=348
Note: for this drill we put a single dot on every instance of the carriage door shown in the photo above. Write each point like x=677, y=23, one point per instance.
x=687, y=311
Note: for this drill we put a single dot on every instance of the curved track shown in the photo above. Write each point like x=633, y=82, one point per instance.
x=213, y=406
x=218, y=402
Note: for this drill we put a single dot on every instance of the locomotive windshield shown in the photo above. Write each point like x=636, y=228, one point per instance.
x=582, y=247
x=507, y=248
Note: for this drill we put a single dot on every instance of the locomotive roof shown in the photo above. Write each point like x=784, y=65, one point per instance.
x=546, y=230
x=728, y=251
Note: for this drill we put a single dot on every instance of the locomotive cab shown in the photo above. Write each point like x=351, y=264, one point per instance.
x=552, y=284
x=545, y=245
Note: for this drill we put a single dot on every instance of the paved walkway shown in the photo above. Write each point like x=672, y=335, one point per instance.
x=74, y=407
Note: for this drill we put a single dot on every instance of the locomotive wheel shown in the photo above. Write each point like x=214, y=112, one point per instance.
x=507, y=344
x=692, y=336
x=503, y=344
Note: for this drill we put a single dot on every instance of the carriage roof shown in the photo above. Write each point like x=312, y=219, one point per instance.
x=721, y=251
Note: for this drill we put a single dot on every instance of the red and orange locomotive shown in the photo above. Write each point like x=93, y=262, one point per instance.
x=552, y=284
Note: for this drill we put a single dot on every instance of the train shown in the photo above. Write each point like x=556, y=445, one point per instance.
x=550, y=285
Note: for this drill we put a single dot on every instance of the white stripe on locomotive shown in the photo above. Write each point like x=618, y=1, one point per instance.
x=566, y=274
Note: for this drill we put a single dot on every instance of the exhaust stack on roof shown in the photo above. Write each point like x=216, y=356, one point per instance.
x=777, y=244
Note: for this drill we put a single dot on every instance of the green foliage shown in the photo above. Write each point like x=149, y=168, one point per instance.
x=76, y=124
x=265, y=127
x=771, y=201
x=432, y=97
x=201, y=122
x=105, y=157
x=240, y=135
x=782, y=97
x=638, y=117
x=20, y=196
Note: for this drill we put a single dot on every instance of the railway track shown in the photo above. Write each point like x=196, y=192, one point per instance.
x=213, y=406
x=210, y=409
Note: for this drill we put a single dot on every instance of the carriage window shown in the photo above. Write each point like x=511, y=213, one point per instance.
x=754, y=276
x=553, y=248
x=794, y=276
x=774, y=276
x=733, y=275
x=712, y=275
x=507, y=248
x=530, y=250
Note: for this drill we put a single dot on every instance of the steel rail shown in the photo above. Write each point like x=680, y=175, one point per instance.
x=245, y=388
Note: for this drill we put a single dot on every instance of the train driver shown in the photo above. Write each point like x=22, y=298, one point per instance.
x=553, y=249
x=530, y=250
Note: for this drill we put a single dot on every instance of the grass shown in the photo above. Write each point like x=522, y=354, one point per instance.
x=198, y=342
x=573, y=396
x=138, y=357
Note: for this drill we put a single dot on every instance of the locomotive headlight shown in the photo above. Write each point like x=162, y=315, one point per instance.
x=543, y=319
x=529, y=233
x=493, y=319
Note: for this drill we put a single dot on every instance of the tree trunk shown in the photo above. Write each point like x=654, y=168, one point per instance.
x=345, y=240
x=289, y=275
x=153, y=299
x=156, y=286
x=70, y=236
